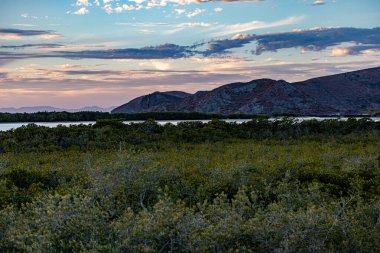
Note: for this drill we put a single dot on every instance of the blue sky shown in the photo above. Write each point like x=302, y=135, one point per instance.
x=73, y=53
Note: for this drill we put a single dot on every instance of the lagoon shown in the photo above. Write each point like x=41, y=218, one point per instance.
x=14, y=125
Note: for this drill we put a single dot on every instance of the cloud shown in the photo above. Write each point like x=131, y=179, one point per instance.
x=180, y=11
x=317, y=39
x=172, y=27
x=70, y=66
x=82, y=3
x=193, y=24
x=138, y=24
x=354, y=50
x=152, y=52
x=190, y=14
x=165, y=51
x=119, y=9
x=17, y=56
x=32, y=45
x=157, y=65
x=88, y=72
x=223, y=29
x=220, y=46
x=336, y=41
x=19, y=33
x=339, y=52
x=81, y=11
x=254, y=25
x=108, y=9
x=124, y=7
x=314, y=39
x=23, y=25
x=319, y=2
x=196, y=12
x=26, y=15
x=115, y=6
x=178, y=25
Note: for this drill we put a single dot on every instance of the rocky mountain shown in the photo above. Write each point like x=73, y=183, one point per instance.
x=355, y=92
x=157, y=101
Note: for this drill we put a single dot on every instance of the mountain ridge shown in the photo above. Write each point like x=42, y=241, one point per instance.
x=355, y=92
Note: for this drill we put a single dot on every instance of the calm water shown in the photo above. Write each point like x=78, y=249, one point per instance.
x=8, y=126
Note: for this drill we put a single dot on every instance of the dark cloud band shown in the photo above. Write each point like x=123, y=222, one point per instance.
x=20, y=32
x=311, y=40
x=32, y=45
x=153, y=52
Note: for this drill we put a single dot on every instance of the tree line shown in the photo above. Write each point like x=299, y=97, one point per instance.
x=93, y=116
x=111, y=133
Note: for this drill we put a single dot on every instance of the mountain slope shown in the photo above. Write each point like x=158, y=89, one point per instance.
x=349, y=93
x=157, y=101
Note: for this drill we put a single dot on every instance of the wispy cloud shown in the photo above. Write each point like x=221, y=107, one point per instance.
x=70, y=66
x=26, y=15
x=254, y=25
x=193, y=24
x=23, y=25
x=179, y=25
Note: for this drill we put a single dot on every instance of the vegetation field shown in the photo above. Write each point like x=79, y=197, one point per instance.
x=259, y=186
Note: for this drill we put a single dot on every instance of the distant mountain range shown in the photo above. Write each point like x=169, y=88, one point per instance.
x=354, y=93
x=53, y=109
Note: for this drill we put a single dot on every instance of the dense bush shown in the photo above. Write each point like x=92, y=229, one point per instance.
x=261, y=186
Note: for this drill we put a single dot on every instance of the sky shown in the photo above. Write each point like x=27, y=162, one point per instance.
x=77, y=53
